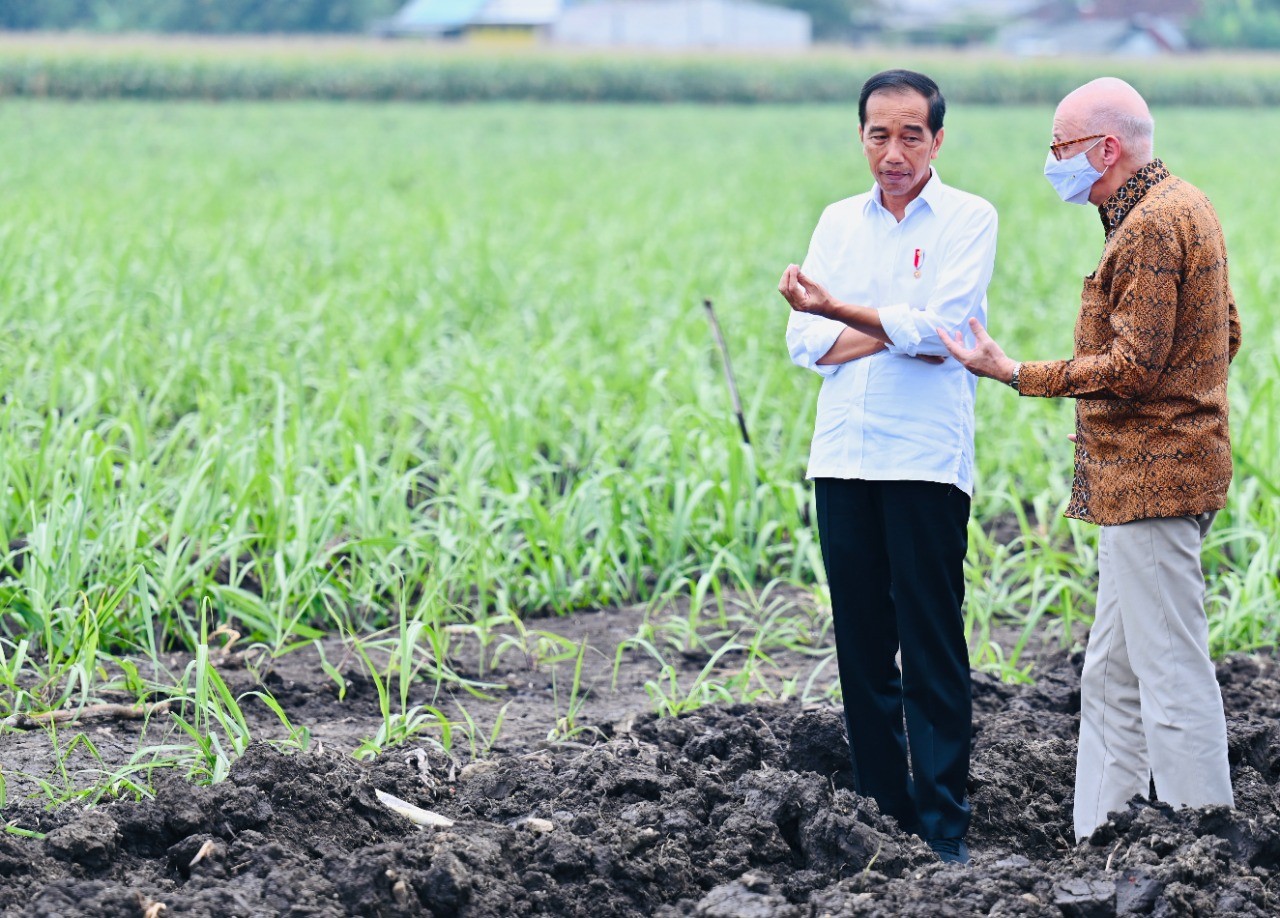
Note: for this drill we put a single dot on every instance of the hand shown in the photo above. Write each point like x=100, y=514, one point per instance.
x=986, y=357
x=804, y=294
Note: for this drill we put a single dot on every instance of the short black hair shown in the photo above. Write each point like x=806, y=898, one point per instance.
x=898, y=81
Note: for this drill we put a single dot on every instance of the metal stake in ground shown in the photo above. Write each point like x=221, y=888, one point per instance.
x=728, y=371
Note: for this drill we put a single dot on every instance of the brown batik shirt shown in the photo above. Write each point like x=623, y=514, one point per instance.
x=1156, y=332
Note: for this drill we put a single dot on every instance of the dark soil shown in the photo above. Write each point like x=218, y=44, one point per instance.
x=733, y=812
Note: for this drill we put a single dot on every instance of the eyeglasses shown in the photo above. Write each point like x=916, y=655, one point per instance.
x=1057, y=148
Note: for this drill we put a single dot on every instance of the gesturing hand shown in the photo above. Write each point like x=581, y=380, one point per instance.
x=805, y=294
x=985, y=358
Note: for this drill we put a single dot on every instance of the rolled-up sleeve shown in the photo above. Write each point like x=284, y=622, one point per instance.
x=959, y=291
x=809, y=337
x=808, y=340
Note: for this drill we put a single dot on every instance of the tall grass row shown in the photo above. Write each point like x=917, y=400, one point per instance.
x=438, y=74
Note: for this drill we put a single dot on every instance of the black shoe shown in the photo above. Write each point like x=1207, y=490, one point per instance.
x=950, y=850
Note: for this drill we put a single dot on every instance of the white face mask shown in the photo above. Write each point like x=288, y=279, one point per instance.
x=1073, y=178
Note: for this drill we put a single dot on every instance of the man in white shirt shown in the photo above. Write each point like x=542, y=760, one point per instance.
x=892, y=452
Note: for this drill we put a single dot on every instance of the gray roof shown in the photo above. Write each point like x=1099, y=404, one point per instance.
x=1092, y=36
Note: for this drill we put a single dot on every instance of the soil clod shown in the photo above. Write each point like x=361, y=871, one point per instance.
x=726, y=812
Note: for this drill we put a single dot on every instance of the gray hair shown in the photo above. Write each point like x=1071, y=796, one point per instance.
x=1136, y=133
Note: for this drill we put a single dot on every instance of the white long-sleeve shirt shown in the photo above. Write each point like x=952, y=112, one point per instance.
x=890, y=416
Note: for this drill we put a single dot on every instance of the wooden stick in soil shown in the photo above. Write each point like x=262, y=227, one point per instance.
x=728, y=370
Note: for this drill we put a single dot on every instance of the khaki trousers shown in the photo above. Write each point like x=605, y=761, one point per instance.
x=1150, y=705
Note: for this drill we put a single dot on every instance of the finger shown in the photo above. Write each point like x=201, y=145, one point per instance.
x=1071, y=437
x=950, y=345
x=979, y=333
x=931, y=358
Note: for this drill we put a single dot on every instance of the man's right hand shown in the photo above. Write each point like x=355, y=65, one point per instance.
x=985, y=358
x=806, y=295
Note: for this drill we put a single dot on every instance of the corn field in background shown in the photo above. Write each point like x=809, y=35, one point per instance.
x=356, y=69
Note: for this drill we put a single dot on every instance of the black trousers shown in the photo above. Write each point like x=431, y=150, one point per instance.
x=894, y=553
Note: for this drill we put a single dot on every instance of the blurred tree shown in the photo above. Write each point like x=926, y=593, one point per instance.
x=1237, y=24
x=195, y=15
x=833, y=20
x=268, y=15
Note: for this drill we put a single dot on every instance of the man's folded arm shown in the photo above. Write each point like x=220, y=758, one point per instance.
x=958, y=292
x=851, y=345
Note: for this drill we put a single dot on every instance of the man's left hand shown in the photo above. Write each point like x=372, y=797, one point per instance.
x=805, y=294
x=985, y=358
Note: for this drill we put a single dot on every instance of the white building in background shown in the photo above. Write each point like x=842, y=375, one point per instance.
x=683, y=24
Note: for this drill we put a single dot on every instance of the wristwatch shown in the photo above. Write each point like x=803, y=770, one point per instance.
x=1013, y=381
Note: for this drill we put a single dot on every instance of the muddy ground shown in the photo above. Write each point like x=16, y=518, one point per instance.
x=734, y=812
